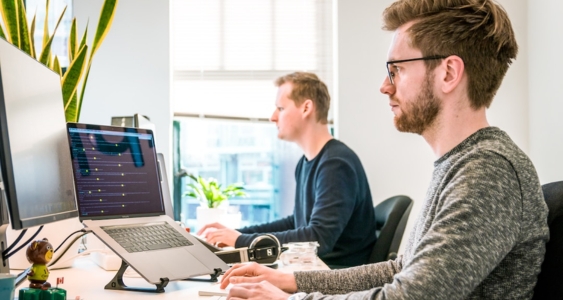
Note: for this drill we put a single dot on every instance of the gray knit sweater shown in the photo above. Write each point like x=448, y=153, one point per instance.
x=481, y=233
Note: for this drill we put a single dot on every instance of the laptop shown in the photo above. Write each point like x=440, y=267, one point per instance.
x=119, y=195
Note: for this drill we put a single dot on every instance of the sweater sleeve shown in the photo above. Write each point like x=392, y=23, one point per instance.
x=476, y=224
x=251, y=232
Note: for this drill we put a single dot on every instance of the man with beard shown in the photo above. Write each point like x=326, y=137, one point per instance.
x=482, y=230
x=333, y=202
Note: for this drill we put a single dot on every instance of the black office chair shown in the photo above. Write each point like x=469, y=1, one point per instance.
x=391, y=218
x=550, y=280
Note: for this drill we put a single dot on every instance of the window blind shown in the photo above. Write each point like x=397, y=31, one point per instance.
x=227, y=53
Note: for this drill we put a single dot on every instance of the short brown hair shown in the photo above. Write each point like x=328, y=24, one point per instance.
x=478, y=31
x=308, y=86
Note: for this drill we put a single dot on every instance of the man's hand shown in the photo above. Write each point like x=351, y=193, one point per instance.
x=255, y=273
x=256, y=291
x=216, y=233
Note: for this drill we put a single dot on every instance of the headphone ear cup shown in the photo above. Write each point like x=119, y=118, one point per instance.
x=265, y=249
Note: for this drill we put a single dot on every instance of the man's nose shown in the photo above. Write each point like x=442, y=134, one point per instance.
x=386, y=87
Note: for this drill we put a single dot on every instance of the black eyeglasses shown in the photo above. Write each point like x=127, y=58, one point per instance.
x=392, y=75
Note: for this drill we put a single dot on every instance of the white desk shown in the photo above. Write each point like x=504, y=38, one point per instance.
x=87, y=280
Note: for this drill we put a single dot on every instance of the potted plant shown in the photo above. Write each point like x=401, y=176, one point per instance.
x=213, y=199
x=18, y=32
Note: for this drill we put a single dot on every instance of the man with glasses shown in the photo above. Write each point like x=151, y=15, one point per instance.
x=482, y=230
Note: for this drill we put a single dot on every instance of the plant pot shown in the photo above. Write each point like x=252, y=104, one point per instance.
x=206, y=215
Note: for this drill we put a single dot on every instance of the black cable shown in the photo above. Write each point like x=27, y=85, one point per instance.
x=22, y=233
x=24, y=244
x=66, y=249
x=63, y=242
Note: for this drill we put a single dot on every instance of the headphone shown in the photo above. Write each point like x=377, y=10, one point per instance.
x=265, y=249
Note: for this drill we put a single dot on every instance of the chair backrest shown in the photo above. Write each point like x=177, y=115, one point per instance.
x=550, y=280
x=391, y=218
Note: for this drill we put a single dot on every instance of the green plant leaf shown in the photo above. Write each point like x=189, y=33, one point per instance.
x=31, y=37
x=23, y=30
x=46, y=26
x=104, y=23
x=46, y=52
x=10, y=18
x=72, y=41
x=70, y=82
x=2, y=34
x=57, y=66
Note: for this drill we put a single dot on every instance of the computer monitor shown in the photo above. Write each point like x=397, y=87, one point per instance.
x=35, y=163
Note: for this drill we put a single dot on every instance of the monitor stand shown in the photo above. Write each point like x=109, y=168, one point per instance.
x=4, y=265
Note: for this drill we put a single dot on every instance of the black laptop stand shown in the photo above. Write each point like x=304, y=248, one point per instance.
x=117, y=283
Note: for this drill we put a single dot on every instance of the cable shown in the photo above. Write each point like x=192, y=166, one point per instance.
x=62, y=243
x=24, y=244
x=22, y=233
x=70, y=244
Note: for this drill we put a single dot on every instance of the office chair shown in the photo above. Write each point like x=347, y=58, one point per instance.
x=549, y=285
x=391, y=218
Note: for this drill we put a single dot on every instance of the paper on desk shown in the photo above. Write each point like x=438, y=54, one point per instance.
x=214, y=290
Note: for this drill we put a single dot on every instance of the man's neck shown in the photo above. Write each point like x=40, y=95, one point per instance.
x=313, y=140
x=452, y=128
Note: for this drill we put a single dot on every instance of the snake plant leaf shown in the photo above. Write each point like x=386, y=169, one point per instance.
x=72, y=41
x=84, y=37
x=10, y=18
x=31, y=38
x=46, y=26
x=45, y=56
x=106, y=18
x=72, y=78
x=2, y=34
x=57, y=66
x=25, y=43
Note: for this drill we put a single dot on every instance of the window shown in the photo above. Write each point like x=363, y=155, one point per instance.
x=60, y=42
x=226, y=55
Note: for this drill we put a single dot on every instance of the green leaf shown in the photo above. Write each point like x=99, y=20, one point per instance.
x=57, y=66
x=23, y=30
x=46, y=52
x=72, y=41
x=2, y=34
x=31, y=37
x=46, y=26
x=70, y=82
x=10, y=18
x=104, y=23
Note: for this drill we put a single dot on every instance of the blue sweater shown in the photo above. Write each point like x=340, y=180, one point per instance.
x=333, y=206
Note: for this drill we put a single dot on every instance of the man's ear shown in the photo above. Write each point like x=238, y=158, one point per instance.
x=307, y=108
x=454, y=70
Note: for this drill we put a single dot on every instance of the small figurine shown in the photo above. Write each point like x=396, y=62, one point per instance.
x=39, y=253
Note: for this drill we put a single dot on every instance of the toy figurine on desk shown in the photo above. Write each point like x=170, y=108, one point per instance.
x=40, y=253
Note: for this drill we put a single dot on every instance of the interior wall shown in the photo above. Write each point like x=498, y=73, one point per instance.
x=131, y=71
x=546, y=89
x=402, y=163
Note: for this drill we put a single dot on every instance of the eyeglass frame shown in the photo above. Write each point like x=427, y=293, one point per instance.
x=407, y=60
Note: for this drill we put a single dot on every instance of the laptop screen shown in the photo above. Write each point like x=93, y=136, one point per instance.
x=115, y=171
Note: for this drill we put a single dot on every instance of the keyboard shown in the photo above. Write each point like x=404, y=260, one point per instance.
x=146, y=237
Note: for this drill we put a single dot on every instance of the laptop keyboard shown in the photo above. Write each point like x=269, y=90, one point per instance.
x=146, y=237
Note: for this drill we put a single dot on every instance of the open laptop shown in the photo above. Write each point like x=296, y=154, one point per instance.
x=118, y=187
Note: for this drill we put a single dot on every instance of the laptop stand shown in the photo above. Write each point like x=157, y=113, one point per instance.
x=117, y=282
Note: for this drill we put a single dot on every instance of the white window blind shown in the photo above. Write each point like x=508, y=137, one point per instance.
x=227, y=53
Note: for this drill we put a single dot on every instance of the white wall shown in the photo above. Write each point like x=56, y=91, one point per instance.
x=131, y=70
x=400, y=163
x=545, y=95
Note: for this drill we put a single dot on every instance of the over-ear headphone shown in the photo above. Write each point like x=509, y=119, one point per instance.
x=265, y=249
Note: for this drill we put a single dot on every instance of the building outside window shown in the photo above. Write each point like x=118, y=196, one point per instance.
x=226, y=56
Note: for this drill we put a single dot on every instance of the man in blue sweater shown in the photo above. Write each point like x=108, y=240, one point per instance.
x=333, y=203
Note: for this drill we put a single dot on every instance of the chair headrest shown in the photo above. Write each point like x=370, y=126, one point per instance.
x=553, y=194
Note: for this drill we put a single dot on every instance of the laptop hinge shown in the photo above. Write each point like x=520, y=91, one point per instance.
x=117, y=282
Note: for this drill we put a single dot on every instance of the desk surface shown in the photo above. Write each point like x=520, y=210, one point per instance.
x=87, y=280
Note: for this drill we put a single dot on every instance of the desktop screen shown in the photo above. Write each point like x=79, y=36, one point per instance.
x=34, y=156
